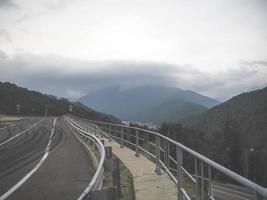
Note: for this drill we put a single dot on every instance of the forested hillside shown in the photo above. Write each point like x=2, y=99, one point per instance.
x=233, y=133
x=169, y=111
x=35, y=103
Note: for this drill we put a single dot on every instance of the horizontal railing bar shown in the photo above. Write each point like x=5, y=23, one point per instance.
x=188, y=175
x=169, y=172
x=185, y=194
x=238, y=178
x=173, y=159
x=147, y=152
x=162, y=149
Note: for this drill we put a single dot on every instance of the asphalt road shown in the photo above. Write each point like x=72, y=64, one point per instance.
x=44, y=162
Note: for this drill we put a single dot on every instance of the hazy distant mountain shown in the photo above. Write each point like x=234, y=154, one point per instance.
x=171, y=111
x=152, y=103
x=33, y=103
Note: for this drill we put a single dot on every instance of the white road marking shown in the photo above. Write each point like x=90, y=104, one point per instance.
x=9, y=126
x=25, y=178
x=13, y=124
x=21, y=133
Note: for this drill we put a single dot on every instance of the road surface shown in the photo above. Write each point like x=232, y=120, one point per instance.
x=41, y=159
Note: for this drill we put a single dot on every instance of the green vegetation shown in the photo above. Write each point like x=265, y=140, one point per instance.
x=172, y=110
x=233, y=134
x=35, y=103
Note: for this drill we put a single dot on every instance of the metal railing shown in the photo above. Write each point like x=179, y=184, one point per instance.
x=97, y=180
x=193, y=181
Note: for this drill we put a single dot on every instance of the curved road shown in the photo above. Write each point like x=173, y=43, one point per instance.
x=41, y=159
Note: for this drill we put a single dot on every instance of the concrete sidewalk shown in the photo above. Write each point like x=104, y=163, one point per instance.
x=147, y=185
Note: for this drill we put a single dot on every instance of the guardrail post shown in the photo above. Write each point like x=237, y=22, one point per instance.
x=116, y=176
x=108, y=151
x=104, y=194
x=180, y=180
x=137, y=143
x=157, y=152
x=202, y=180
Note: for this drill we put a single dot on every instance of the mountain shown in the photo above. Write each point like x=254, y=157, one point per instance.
x=248, y=111
x=233, y=133
x=34, y=103
x=171, y=110
x=128, y=104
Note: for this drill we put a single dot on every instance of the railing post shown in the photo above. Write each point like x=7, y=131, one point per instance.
x=168, y=156
x=122, y=137
x=202, y=180
x=180, y=180
x=210, y=178
x=109, y=132
x=166, y=153
x=196, y=178
x=157, y=152
x=136, y=142
x=128, y=136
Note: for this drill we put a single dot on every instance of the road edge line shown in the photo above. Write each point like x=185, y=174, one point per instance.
x=29, y=174
x=20, y=133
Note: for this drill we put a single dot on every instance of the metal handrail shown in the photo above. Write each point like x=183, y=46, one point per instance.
x=97, y=180
x=180, y=148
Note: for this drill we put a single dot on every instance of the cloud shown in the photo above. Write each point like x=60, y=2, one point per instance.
x=73, y=78
x=255, y=63
x=4, y=35
x=7, y=4
x=58, y=5
x=2, y=55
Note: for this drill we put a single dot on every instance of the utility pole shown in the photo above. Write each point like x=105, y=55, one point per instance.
x=18, y=108
x=46, y=110
x=247, y=153
x=70, y=108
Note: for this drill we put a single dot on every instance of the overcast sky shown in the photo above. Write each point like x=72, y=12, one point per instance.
x=72, y=47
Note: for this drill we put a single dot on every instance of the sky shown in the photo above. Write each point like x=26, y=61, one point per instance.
x=70, y=48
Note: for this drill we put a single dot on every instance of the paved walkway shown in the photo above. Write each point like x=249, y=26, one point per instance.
x=147, y=185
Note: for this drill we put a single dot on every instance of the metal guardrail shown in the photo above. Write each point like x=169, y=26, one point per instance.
x=169, y=154
x=97, y=180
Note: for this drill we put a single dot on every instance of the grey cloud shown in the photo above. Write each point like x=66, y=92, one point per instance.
x=72, y=78
x=60, y=76
x=7, y=4
x=59, y=4
x=255, y=62
x=5, y=36
x=2, y=55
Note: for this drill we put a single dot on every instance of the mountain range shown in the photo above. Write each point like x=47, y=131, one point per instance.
x=148, y=103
